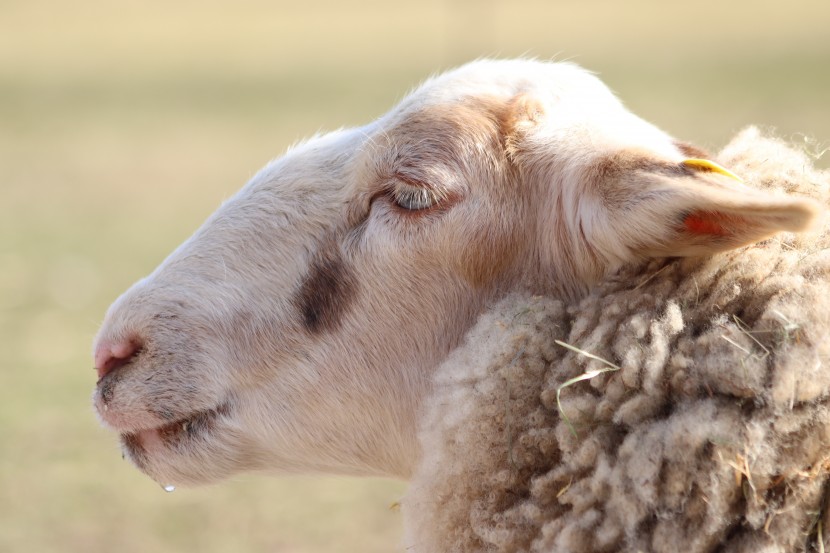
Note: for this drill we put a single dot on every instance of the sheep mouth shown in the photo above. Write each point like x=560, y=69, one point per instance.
x=177, y=435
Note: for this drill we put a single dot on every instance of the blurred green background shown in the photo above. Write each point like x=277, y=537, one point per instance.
x=123, y=124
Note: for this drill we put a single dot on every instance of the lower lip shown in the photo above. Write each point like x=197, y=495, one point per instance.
x=159, y=437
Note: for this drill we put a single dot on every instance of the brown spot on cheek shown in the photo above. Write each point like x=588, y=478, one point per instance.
x=326, y=291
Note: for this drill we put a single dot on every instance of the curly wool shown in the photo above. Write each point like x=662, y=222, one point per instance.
x=713, y=434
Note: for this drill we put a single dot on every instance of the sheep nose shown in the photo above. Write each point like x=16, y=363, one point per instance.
x=112, y=355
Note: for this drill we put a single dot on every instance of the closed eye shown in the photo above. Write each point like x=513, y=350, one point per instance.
x=413, y=197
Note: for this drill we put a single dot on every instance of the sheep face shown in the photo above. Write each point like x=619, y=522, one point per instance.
x=297, y=330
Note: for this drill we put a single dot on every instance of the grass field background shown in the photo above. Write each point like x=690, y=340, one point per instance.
x=124, y=124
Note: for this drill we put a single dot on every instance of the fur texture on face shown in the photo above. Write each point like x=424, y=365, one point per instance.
x=299, y=328
x=712, y=434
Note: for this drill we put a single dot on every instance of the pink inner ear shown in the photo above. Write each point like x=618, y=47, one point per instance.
x=710, y=223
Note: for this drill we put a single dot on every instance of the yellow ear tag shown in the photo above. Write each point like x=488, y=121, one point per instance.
x=710, y=167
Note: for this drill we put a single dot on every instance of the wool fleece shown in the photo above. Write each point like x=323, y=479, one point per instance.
x=682, y=406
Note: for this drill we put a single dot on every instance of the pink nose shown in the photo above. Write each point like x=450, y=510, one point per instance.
x=112, y=355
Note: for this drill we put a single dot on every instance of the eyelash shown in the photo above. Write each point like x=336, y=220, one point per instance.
x=413, y=198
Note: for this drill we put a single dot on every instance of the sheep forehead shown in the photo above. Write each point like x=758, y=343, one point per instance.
x=336, y=166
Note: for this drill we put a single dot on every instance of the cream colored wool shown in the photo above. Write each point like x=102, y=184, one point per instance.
x=714, y=435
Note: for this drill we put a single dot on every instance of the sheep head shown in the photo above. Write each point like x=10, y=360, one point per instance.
x=298, y=328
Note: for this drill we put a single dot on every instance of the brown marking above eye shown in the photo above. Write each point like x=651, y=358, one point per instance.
x=326, y=291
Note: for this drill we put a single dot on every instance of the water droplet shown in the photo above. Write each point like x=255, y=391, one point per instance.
x=169, y=489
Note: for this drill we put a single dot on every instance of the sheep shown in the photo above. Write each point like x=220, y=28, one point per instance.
x=299, y=329
x=702, y=422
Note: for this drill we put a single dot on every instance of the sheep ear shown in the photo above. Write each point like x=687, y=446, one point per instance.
x=699, y=208
x=737, y=221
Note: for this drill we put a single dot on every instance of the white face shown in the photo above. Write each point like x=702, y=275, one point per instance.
x=297, y=330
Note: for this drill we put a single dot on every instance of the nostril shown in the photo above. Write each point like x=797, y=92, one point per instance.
x=112, y=355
